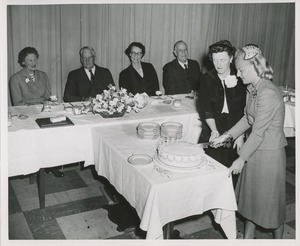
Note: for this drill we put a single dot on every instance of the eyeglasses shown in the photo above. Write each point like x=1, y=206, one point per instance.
x=181, y=50
x=138, y=54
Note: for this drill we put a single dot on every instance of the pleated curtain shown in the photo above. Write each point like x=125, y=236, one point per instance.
x=59, y=31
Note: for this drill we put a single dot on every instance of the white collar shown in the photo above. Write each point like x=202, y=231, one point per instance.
x=93, y=70
x=182, y=64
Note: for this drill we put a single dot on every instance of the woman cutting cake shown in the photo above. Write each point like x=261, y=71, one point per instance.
x=221, y=102
x=260, y=190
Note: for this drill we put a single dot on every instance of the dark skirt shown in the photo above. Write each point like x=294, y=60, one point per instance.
x=223, y=155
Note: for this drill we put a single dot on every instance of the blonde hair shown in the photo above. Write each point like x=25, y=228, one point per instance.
x=254, y=57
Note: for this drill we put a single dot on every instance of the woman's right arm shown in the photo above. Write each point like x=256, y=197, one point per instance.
x=123, y=81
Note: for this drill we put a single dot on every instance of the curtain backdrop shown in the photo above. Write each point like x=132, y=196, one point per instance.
x=59, y=31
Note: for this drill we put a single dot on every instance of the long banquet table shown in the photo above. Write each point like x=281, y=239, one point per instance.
x=31, y=148
x=160, y=196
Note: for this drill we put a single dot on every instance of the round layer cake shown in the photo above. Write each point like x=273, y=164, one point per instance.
x=181, y=154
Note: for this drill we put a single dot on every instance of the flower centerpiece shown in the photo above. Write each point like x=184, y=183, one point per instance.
x=113, y=103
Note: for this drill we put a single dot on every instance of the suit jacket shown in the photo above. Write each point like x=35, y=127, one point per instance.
x=32, y=92
x=79, y=87
x=175, y=79
x=211, y=98
x=131, y=80
x=264, y=112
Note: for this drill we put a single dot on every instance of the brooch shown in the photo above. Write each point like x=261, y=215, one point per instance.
x=254, y=93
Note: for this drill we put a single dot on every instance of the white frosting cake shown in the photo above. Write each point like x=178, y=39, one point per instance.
x=181, y=154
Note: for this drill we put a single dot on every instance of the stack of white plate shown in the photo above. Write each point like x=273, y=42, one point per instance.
x=148, y=130
x=171, y=130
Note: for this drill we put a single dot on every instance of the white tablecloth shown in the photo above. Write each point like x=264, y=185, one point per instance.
x=289, y=120
x=160, y=198
x=31, y=148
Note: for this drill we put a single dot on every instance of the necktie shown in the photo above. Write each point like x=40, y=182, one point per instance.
x=188, y=77
x=92, y=76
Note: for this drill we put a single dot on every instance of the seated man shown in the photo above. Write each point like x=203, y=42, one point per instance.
x=87, y=81
x=182, y=74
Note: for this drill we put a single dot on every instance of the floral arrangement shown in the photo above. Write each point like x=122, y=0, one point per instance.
x=231, y=81
x=116, y=103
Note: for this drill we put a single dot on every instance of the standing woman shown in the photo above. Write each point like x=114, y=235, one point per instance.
x=29, y=86
x=260, y=189
x=222, y=101
x=140, y=76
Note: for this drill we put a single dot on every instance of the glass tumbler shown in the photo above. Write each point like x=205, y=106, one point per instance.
x=47, y=106
x=9, y=119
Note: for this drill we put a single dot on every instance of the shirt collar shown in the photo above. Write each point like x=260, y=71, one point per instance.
x=93, y=69
x=182, y=64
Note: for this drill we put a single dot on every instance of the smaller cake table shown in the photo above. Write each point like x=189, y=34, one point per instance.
x=161, y=197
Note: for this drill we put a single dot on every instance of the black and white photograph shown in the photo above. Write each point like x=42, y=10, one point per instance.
x=167, y=122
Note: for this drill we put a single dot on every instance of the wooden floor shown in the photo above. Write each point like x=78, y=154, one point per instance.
x=77, y=209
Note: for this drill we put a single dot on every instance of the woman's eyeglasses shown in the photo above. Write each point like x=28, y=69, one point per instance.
x=138, y=54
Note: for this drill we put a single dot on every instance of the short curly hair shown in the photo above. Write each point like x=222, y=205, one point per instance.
x=25, y=52
x=221, y=46
x=135, y=44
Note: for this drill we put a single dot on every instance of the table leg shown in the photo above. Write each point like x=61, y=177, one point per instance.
x=41, y=187
x=168, y=230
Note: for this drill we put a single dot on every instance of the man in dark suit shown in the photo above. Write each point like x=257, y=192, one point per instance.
x=182, y=74
x=89, y=80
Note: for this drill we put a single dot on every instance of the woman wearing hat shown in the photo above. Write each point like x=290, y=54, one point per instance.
x=260, y=190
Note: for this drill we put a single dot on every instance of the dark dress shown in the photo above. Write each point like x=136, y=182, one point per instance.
x=131, y=80
x=211, y=102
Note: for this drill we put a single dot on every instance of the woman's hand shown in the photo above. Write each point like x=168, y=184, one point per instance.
x=218, y=141
x=213, y=135
x=236, y=166
x=238, y=143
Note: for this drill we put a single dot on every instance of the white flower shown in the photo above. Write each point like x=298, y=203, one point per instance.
x=141, y=100
x=129, y=108
x=231, y=81
x=27, y=80
x=53, y=98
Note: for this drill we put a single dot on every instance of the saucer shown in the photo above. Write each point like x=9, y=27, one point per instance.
x=139, y=159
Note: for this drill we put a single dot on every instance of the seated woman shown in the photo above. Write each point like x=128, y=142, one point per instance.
x=29, y=86
x=140, y=76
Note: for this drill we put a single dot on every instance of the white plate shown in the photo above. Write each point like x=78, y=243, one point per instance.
x=139, y=159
